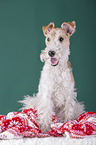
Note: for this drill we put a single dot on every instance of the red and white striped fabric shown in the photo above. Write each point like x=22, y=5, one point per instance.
x=84, y=126
x=23, y=124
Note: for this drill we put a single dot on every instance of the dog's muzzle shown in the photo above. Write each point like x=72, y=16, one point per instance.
x=54, y=61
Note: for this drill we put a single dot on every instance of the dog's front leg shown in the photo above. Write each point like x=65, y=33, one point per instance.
x=45, y=111
x=71, y=109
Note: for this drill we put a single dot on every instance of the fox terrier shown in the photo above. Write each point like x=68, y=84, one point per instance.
x=56, y=90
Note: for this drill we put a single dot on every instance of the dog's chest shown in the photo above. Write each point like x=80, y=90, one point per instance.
x=55, y=79
x=61, y=77
x=62, y=82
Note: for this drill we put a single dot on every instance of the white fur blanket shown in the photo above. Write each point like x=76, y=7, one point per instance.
x=50, y=141
x=23, y=124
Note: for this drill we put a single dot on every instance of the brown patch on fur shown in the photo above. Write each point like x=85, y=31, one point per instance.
x=72, y=24
x=70, y=67
x=53, y=34
x=71, y=28
x=45, y=28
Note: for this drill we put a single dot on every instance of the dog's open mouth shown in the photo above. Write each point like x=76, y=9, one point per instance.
x=54, y=61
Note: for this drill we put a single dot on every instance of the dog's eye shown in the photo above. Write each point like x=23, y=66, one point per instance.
x=61, y=39
x=48, y=39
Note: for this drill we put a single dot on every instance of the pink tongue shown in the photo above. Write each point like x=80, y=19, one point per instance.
x=53, y=61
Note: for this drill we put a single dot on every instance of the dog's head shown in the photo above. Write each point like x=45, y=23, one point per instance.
x=57, y=42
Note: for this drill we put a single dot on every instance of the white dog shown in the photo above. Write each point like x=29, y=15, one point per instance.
x=56, y=92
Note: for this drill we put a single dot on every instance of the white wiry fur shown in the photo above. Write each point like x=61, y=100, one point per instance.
x=56, y=91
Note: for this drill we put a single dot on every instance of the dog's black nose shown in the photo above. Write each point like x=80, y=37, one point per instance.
x=51, y=53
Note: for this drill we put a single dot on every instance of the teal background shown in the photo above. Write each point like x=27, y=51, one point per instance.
x=21, y=41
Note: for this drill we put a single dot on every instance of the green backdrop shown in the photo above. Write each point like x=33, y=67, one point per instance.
x=21, y=41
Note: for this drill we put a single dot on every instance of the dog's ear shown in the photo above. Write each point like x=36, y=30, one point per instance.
x=69, y=27
x=47, y=29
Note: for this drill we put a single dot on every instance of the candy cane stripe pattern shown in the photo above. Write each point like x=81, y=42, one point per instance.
x=23, y=124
